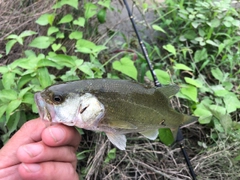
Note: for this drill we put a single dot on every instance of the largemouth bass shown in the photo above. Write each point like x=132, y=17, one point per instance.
x=115, y=107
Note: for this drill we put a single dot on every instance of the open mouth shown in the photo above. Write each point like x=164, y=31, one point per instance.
x=42, y=110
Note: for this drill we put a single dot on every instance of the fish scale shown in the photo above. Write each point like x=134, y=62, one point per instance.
x=116, y=107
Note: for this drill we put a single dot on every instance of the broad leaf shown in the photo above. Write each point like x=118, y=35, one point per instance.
x=80, y=22
x=44, y=77
x=166, y=136
x=170, y=48
x=66, y=19
x=42, y=42
x=9, y=45
x=90, y=10
x=181, y=67
x=126, y=66
x=190, y=91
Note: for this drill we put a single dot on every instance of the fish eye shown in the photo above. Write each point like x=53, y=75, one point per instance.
x=57, y=98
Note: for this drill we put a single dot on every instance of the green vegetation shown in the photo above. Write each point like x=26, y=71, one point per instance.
x=197, y=47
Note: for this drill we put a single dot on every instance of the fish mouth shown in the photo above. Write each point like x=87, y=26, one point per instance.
x=42, y=110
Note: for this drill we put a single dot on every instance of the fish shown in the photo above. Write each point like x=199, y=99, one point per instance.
x=116, y=107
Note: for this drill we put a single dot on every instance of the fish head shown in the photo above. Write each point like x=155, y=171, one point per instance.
x=83, y=110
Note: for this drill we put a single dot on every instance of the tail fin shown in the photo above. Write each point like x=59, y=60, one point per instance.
x=187, y=120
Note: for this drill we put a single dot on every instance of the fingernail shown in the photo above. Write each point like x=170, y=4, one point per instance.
x=56, y=133
x=31, y=167
x=33, y=149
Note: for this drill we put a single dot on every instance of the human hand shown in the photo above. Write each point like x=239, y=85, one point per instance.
x=40, y=152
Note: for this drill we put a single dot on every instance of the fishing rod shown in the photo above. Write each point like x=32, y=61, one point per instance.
x=180, y=137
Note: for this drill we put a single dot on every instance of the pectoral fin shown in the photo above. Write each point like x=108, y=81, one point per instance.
x=118, y=140
x=150, y=134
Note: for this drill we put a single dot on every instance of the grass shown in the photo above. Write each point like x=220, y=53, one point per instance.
x=144, y=159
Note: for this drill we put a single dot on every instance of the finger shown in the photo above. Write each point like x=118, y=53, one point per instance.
x=39, y=152
x=60, y=135
x=30, y=132
x=48, y=171
x=10, y=173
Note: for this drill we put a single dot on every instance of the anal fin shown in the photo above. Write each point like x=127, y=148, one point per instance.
x=150, y=134
x=119, y=140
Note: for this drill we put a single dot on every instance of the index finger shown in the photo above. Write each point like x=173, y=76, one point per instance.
x=30, y=132
x=61, y=135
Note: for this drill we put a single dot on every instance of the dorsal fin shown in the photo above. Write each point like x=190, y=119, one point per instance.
x=168, y=91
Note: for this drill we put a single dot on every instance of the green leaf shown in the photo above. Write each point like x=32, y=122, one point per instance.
x=73, y=3
x=200, y=55
x=158, y=28
x=26, y=63
x=219, y=90
x=52, y=30
x=217, y=125
x=44, y=77
x=170, y=48
x=24, y=80
x=90, y=10
x=193, y=82
x=126, y=66
x=12, y=36
x=9, y=45
x=214, y=23
x=226, y=122
x=28, y=98
x=101, y=15
x=189, y=91
x=181, y=67
x=217, y=74
x=228, y=85
x=86, y=68
x=80, y=22
x=76, y=35
x=66, y=19
x=13, y=122
x=111, y=155
x=105, y=3
x=14, y=104
x=56, y=47
x=70, y=75
x=42, y=42
x=212, y=43
x=45, y=19
x=166, y=136
x=64, y=60
x=60, y=35
x=231, y=102
x=3, y=108
x=9, y=94
x=24, y=91
x=27, y=33
x=8, y=80
x=205, y=115
x=88, y=47
x=3, y=69
x=162, y=76
x=217, y=110
x=81, y=155
x=190, y=34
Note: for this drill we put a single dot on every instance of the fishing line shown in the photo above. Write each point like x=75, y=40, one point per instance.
x=180, y=137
